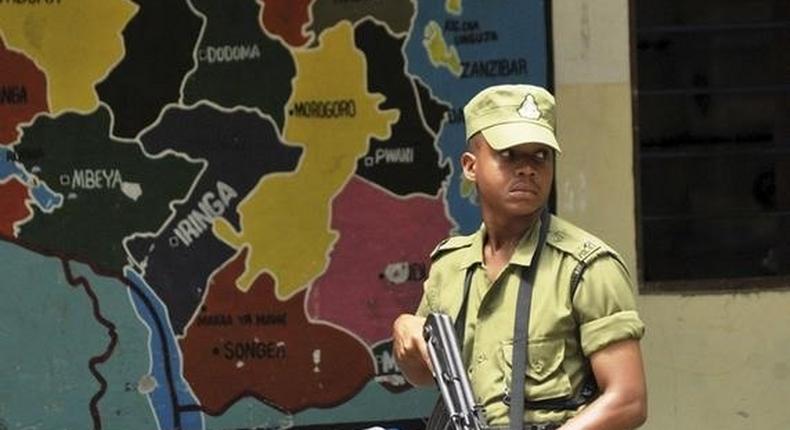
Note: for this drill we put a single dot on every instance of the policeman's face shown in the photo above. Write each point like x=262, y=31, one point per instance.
x=513, y=182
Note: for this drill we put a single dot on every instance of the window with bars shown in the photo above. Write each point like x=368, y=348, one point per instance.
x=712, y=126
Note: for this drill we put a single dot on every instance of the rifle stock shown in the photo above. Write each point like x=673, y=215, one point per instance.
x=450, y=375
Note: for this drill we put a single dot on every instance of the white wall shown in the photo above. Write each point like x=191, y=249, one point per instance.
x=713, y=361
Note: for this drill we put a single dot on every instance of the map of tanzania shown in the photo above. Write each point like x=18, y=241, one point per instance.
x=212, y=211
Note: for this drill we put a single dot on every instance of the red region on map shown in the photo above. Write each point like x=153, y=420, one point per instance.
x=12, y=206
x=378, y=265
x=251, y=344
x=286, y=18
x=23, y=92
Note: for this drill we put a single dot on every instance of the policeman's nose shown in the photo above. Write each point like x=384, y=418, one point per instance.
x=524, y=168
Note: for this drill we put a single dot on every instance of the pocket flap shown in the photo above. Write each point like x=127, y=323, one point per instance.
x=545, y=357
x=545, y=376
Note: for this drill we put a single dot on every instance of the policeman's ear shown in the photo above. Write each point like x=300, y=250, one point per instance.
x=468, y=161
x=469, y=157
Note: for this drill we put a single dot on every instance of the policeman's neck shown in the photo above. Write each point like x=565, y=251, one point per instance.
x=506, y=232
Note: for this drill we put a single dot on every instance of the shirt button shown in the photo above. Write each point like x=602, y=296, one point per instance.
x=539, y=366
x=481, y=358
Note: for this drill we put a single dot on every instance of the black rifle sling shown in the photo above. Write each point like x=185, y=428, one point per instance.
x=589, y=388
x=521, y=328
x=460, y=320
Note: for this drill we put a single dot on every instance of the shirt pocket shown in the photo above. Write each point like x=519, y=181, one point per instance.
x=545, y=375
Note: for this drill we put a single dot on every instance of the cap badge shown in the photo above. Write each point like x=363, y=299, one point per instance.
x=529, y=109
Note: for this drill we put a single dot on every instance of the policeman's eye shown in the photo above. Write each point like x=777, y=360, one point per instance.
x=542, y=155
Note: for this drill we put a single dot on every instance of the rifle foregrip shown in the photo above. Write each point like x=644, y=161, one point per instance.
x=450, y=374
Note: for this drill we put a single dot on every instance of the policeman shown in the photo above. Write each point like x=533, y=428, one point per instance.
x=529, y=289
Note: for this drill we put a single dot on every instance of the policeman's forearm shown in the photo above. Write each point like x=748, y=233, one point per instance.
x=611, y=411
x=622, y=404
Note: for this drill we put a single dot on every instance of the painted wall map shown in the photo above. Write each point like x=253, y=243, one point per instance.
x=212, y=211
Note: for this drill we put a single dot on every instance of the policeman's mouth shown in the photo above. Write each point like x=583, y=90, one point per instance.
x=523, y=189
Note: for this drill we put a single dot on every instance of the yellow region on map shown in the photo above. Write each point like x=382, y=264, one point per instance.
x=76, y=43
x=453, y=6
x=285, y=221
x=438, y=52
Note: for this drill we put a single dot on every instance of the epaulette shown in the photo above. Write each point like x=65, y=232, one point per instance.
x=572, y=240
x=450, y=244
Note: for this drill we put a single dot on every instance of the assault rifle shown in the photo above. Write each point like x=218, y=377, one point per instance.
x=448, y=370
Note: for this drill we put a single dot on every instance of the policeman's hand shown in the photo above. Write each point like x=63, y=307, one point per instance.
x=411, y=352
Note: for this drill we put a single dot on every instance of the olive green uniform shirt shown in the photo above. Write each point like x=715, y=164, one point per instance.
x=563, y=330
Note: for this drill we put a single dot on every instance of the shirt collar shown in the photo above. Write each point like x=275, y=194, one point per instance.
x=522, y=255
x=526, y=246
x=474, y=253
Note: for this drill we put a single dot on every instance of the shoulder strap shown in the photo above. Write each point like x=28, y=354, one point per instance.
x=450, y=244
x=584, y=263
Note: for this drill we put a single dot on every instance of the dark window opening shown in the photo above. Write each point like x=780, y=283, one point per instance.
x=713, y=133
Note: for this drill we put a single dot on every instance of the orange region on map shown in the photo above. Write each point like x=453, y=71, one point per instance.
x=23, y=92
x=74, y=48
x=286, y=18
x=13, y=207
x=285, y=219
x=251, y=344
x=364, y=295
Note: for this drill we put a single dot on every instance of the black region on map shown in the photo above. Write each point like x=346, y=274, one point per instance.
x=433, y=110
x=396, y=14
x=408, y=162
x=159, y=43
x=238, y=65
x=239, y=149
x=110, y=188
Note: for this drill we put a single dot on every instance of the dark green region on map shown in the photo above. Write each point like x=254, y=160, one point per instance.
x=111, y=189
x=238, y=65
x=409, y=161
x=396, y=14
x=159, y=42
